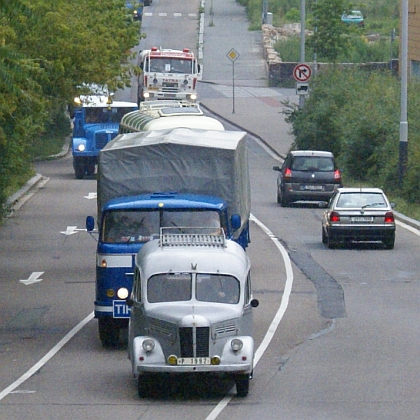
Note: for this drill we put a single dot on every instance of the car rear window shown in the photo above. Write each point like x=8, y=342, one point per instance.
x=365, y=200
x=313, y=163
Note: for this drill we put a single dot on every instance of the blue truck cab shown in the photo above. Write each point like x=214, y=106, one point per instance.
x=96, y=122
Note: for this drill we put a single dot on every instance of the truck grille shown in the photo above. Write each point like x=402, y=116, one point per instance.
x=198, y=347
x=169, y=87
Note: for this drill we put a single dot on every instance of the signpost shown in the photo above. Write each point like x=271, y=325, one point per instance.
x=302, y=73
x=233, y=55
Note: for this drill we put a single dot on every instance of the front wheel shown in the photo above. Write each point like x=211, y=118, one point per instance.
x=242, y=385
x=109, y=332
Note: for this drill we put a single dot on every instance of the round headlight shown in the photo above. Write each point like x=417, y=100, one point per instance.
x=146, y=94
x=148, y=345
x=122, y=293
x=236, y=344
x=193, y=96
x=215, y=360
x=81, y=147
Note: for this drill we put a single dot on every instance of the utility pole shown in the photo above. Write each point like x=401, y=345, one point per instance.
x=302, y=44
x=403, y=146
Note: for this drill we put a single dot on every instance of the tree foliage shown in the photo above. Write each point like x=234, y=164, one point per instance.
x=47, y=49
x=356, y=115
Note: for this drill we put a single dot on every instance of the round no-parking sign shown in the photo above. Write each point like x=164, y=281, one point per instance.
x=302, y=72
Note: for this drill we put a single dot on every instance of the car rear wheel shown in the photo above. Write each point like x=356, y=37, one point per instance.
x=324, y=236
x=389, y=242
x=331, y=242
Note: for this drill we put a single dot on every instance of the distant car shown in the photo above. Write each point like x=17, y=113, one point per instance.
x=358, y=215
x=307, y=175
x=355, y=16
x=147, y=2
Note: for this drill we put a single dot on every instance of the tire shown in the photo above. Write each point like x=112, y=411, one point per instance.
x=143, y=385
x=242, y=385
x=90, y=169
x=389, y=242
x=79, y=168
x=330, y=242
x=324, y=237
x=284, y=202
x=109, y=332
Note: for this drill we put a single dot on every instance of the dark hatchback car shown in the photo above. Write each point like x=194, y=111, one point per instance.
x=307, y=175
x=358, y=215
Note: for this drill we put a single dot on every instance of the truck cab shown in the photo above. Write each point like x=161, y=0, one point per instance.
x=95, y=124
x=167, y=74
x=125, y=226
x=191, y=310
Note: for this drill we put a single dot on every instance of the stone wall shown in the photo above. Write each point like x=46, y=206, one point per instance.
x=280, y=73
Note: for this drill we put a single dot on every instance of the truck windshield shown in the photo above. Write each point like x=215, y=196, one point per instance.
x=105, y=115
x=130, y=226
x=170, y=65
x=169, y=287
x=190, y=219
x=142, y=226
x=217, y=288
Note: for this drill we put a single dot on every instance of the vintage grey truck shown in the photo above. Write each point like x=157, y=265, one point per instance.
x=191, y=309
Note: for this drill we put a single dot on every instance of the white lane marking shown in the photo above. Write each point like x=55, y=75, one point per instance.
x=47, y=357
x=276, y=320
x=33, y=278
x=408, y=227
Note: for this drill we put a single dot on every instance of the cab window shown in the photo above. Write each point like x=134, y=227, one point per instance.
x=169, y=287
x=217, y=288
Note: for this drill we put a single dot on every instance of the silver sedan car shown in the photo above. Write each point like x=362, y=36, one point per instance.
x=358, y=215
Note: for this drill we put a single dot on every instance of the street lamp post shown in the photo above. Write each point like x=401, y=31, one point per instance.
x=302, y=44
x=403, y=146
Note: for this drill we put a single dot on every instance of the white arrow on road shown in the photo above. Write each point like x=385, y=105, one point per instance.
x=91, y=196
x=71, y=230
x=33, y=278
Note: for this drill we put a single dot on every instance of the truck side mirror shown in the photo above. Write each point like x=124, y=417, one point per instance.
x=235, y=221
x=255, y=303
x=90, y=223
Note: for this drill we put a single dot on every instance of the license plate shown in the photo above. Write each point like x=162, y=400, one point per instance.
x=313, y=187
x=193, y=361
x=363, y=219
x=120, y=309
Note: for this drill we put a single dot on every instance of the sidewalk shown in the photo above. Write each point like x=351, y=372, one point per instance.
x=237, y=90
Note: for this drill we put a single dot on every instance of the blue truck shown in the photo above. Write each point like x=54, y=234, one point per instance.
x=95, y=124
x=136, y=8
x=181, y=178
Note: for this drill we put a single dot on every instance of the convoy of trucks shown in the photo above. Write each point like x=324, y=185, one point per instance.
x=168, y=74
x=165, y=178
x=95, y=123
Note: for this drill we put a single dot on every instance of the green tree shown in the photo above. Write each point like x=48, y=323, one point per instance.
x=330, y=38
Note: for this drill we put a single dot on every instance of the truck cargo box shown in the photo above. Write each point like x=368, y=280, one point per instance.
x=184, y=160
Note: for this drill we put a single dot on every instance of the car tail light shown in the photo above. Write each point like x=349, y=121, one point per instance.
x=334, y=217
x=389, y=217
x=288, y=173
x=337, y=175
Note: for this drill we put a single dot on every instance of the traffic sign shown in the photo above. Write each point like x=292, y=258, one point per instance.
x=302, y=72
x=232, y=55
